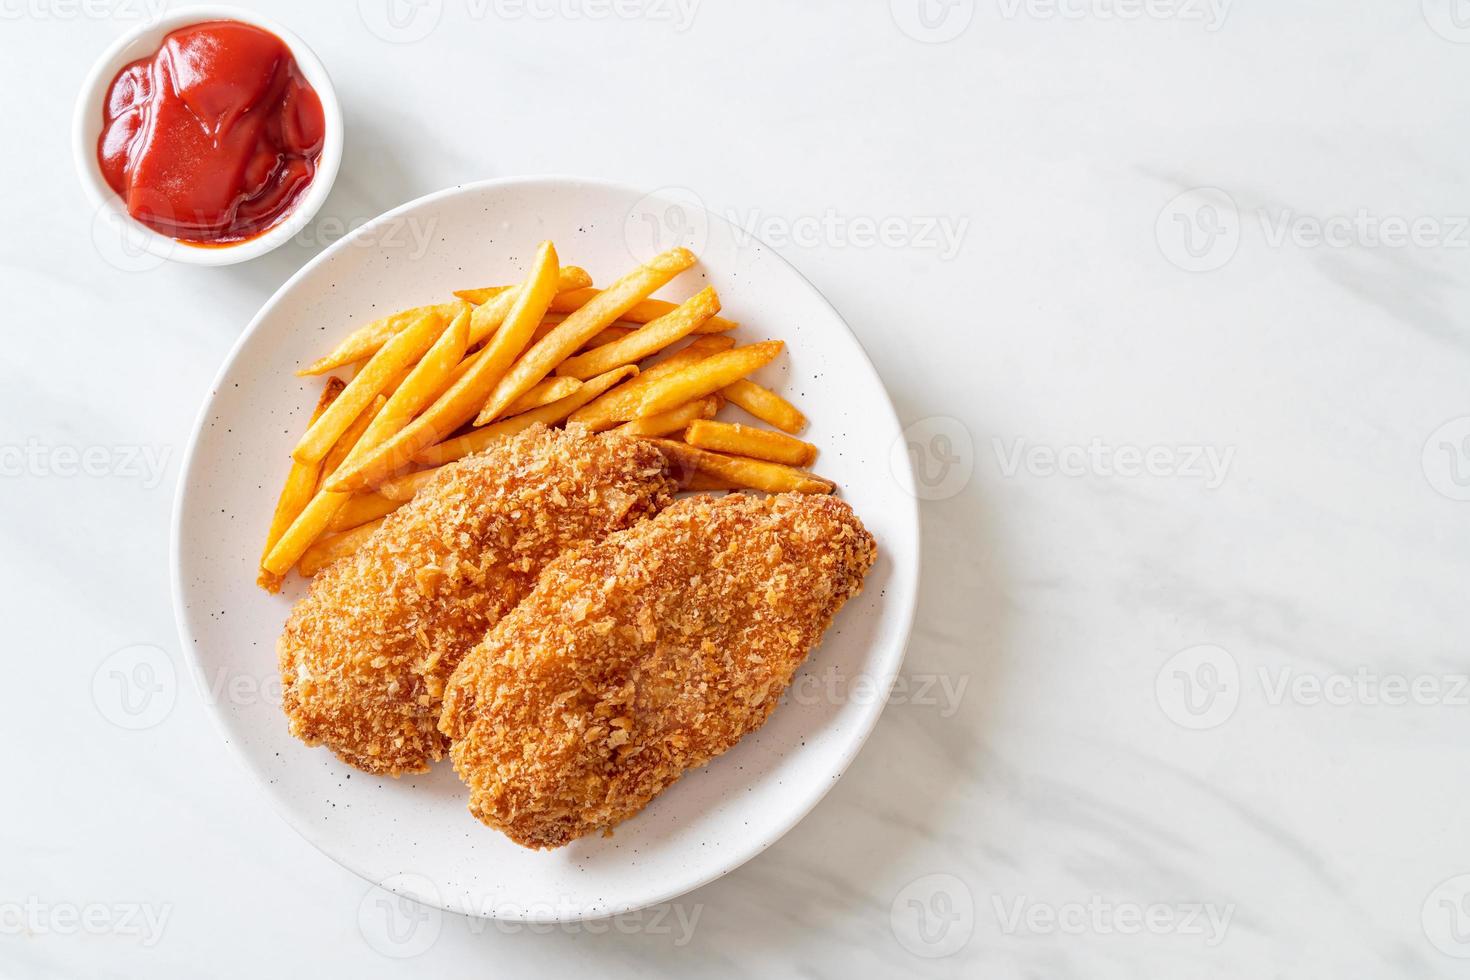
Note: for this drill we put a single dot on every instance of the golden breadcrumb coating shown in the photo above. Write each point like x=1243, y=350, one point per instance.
x=366, y=652
x=644, y=655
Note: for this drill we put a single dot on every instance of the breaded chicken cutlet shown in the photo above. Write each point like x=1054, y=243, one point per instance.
x=646, y=654
x=365, y=654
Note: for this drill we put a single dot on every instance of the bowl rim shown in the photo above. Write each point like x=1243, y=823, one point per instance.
x=405, y=886
x=139, y=42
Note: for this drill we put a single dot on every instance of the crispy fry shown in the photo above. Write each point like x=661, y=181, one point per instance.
x=581, y=326
x=367, y=340
x=335, y=546
x=643, y=312
x=352, y=438
x=707, y=376
x=612, y=333
x=396, y=355
x=475, y=297
x=757, y=474
x=487, y=318
x=700, y=481
x=574, y=279
x=300, y=484
x=483, y=438
x=457, y=405
x=648, y=339
x=621, y=404
x=315, y=517
x=765, y=405
x=361, y=508
x=425, y=382
x=548, y=391
x=745, y=440
x=403, y=488
x=672, y=421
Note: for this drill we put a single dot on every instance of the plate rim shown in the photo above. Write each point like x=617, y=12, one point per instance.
x=403, y=887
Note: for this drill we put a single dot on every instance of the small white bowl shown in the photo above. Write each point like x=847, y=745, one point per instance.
x=87, y=128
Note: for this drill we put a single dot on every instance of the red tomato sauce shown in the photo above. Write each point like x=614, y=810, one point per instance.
x=213, y=138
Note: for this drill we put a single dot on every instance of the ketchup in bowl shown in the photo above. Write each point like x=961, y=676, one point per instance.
x=214, y=137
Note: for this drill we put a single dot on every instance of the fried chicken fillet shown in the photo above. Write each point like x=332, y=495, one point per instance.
x=646, y=654
x=366, y=652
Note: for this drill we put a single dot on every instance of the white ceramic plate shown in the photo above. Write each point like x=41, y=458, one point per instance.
x=414, y=835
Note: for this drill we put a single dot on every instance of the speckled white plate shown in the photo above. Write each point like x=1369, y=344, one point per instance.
x=414, y=836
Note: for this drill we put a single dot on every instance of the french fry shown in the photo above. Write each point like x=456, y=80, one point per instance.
x=486, y=436
x=315, y=518
x=765, y=405
x=621, y=404
x=301, y=481
x=642, y=312
x=367, y=340
x=352, y=438
x=457, y=405
x=607, y=336
x=707, y=376
x=425, y=382
x=396, y=355
x=403, y=488
x=335, y=546
x=361, y=508
x=756, y=474
x=487, y=319
x=581, y=326
x=699, y=480
x=648, y=339
x=745, y=440
x=475, y=297
x=575, y=278
x=672, y=421
x=548, y=391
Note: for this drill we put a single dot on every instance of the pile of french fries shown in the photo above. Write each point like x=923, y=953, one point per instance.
x=435, y=383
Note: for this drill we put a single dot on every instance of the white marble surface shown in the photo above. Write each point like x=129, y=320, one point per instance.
x=1304, y=528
